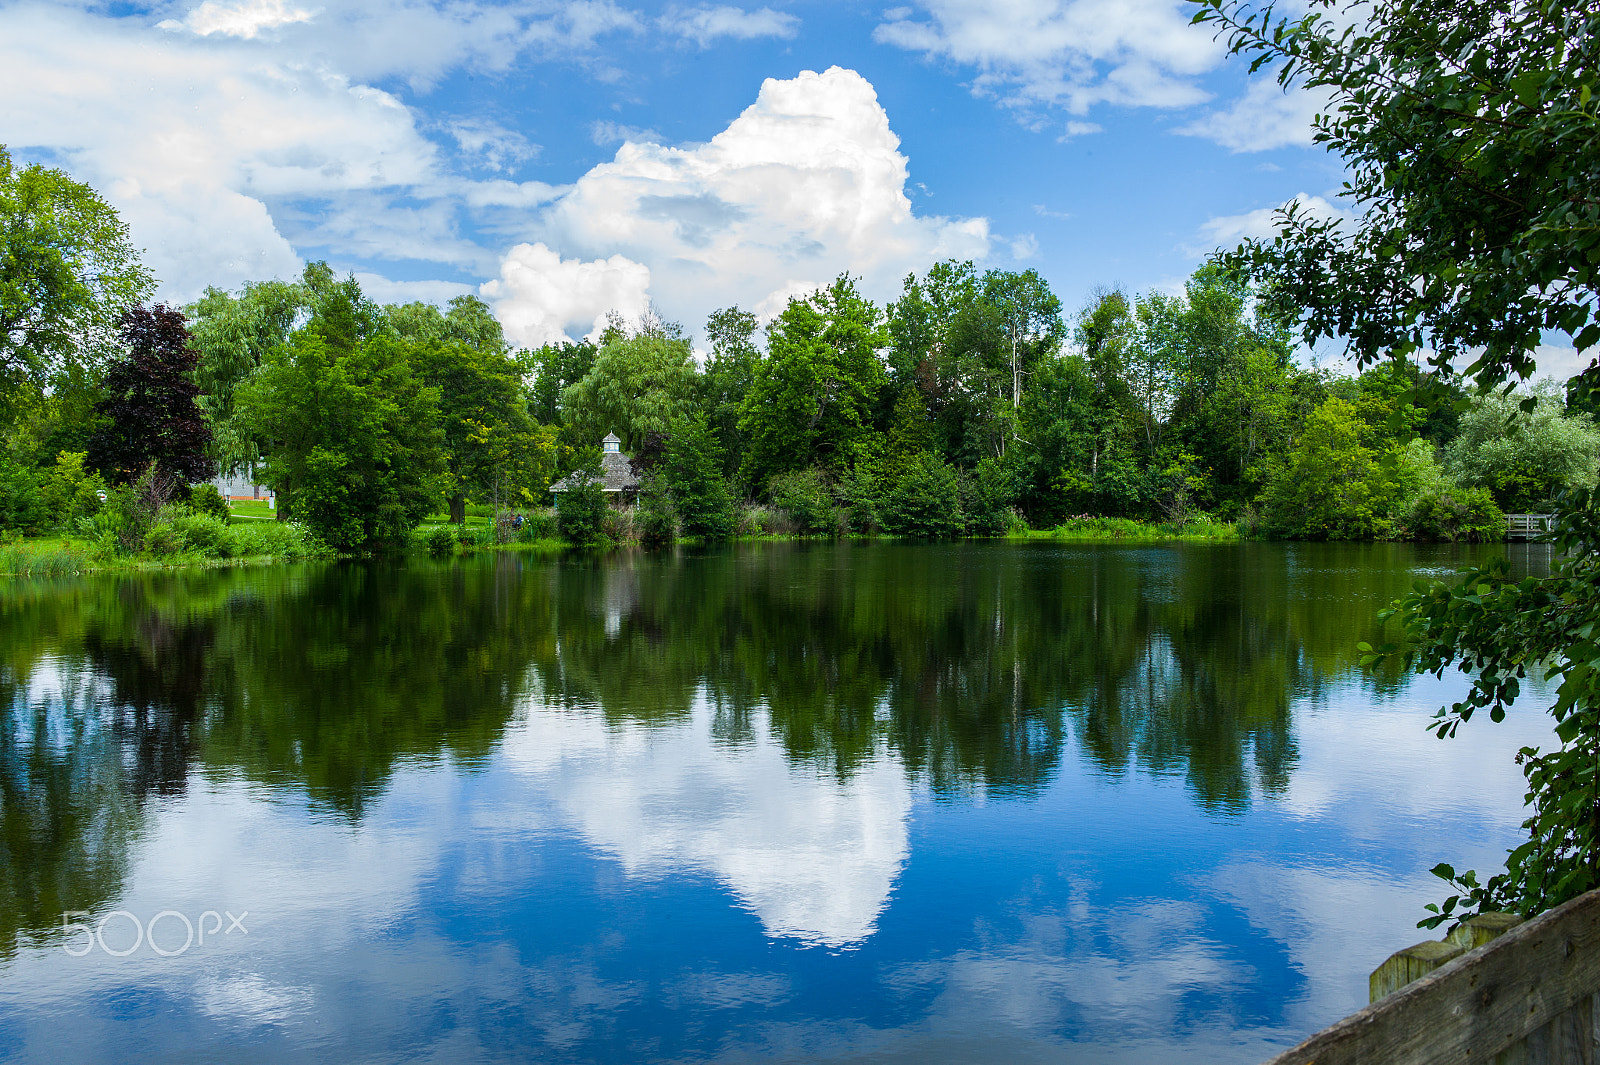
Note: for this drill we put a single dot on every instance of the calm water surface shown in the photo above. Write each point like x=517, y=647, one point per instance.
x=867, y=803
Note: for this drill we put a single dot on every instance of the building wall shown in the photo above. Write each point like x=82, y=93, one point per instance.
x=240, y=486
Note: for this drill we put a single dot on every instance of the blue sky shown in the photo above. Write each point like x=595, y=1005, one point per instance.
x=565, y=158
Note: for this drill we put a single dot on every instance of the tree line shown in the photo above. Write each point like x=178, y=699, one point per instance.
x=969, y=405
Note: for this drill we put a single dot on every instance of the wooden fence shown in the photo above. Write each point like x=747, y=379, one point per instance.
x=1529, y=997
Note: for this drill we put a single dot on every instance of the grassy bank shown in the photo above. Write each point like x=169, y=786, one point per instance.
x=253, y=536
x=1090, y=529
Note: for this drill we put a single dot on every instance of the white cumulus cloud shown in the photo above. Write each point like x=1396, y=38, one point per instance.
x=1069, y=53
x=230, y=155
x=189, y=138
x=539, y=295
x=808, y=182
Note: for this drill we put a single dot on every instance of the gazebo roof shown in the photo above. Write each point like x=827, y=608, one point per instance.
x=616, y=471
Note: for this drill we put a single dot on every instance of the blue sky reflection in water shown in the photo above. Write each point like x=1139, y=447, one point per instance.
x=953, y=803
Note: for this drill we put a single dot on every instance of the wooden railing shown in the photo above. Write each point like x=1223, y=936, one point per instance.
x=1531, y=996
x=1528, y=526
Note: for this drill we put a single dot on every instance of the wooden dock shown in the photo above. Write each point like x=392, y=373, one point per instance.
x=1529, y=526
x=1530, y=996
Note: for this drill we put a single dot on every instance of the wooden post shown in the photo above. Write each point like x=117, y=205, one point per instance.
x=1415, y=962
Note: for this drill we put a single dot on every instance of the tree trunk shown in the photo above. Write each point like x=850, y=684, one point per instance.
x=458, y=510
x=1016, y=376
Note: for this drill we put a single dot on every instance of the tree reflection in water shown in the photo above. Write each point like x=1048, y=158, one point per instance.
x=970, y=663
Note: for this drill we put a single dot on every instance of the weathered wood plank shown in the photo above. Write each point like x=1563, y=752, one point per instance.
x=1566, y=1040
x=1478, y=1005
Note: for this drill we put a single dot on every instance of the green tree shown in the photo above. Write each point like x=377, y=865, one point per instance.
x=1331, y=487
x=700, y=493
x=814, y=395
x=552, y=369
x=352, y=437
x=231, y=336
x=969, y=342
x=1238, y=391
x=467, y=320
x=638, y=384
x=1029, y=316
x=1073, y=458
x=1525, y=459
x=1467, y=131
x=1486, y=236
x=657, y=517
x=986, y=498
x=923, y=501
x=492, y=448
x=67, y=272
x=340, y=313
x=729, y=373
x=1152, y=365
x=484, y=422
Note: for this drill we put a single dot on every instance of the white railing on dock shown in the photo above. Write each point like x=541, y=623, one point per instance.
x=1528, y=526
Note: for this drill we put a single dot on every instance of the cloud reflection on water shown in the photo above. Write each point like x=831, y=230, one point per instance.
x=813, y=856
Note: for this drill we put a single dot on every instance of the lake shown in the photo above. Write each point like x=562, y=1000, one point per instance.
x=866, y=802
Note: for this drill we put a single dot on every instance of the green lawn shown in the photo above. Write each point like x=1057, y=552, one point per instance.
x=251, y=510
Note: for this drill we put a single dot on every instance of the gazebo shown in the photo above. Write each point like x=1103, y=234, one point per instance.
x=617, y=480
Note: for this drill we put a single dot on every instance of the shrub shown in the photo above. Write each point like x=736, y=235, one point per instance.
x=658, y=521
x=163, y=539
x=203, y=534
x=618, y=525
x=924, y=502
x=23, y=506
x=274, y=539
x=1091, y=525
x=1454, y=514
x=986, y=497
x=441, y=540
x=804, y=495
x=858, y=498
x=580, y=516
x=131, y=510
x=537, y=524
x=205, y=499
x=754, y=519
x=71, y=492
x=1250, y=525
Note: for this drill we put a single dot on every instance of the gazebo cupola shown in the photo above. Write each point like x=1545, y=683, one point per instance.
x=611, y=445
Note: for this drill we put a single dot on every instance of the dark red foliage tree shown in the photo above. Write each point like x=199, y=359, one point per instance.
x=150, y=401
